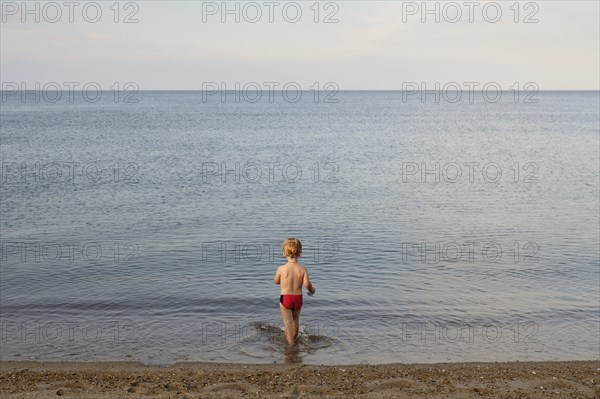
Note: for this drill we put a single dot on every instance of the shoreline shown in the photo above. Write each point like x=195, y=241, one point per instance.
x=42, y=379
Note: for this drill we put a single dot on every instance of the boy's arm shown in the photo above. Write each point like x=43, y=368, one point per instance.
x=277, y=278
x=307, y=284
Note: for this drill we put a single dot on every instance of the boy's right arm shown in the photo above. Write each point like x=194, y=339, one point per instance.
x=277, y=278
x=307, y=284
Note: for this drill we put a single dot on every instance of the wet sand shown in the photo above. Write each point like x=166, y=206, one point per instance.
x=572, y=379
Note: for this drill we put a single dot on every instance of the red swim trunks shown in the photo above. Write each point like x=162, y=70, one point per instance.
x=291, y=301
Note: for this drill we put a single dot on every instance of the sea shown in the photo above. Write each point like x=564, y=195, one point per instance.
x=148, y=227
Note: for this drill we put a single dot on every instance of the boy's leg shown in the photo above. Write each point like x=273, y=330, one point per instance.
x=288, y=322
x=296, y=319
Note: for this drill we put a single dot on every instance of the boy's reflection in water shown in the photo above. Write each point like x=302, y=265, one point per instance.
x=292, y=354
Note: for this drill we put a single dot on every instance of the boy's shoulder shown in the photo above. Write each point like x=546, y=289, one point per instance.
x=298, y=265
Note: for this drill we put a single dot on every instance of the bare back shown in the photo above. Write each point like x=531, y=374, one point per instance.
x=291, y=277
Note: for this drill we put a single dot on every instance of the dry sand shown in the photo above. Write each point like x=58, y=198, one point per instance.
x=574, y=379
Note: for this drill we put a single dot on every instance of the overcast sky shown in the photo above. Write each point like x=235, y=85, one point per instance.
x=374, y=44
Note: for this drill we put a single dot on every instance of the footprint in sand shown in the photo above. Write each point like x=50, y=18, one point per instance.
x=231, y=386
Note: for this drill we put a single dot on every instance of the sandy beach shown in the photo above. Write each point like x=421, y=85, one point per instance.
x=572, y=379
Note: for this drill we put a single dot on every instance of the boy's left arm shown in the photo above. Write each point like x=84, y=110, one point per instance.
x=307, y=283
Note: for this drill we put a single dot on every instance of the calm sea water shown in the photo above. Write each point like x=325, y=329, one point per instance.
x=432, y=231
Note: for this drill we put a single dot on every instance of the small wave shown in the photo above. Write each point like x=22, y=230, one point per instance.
x=307, y=335
x=269, y=342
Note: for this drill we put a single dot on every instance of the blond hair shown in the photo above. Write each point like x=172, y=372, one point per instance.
x=292, y=247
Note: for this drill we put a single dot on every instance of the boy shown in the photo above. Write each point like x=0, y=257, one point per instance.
x=290, y=278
